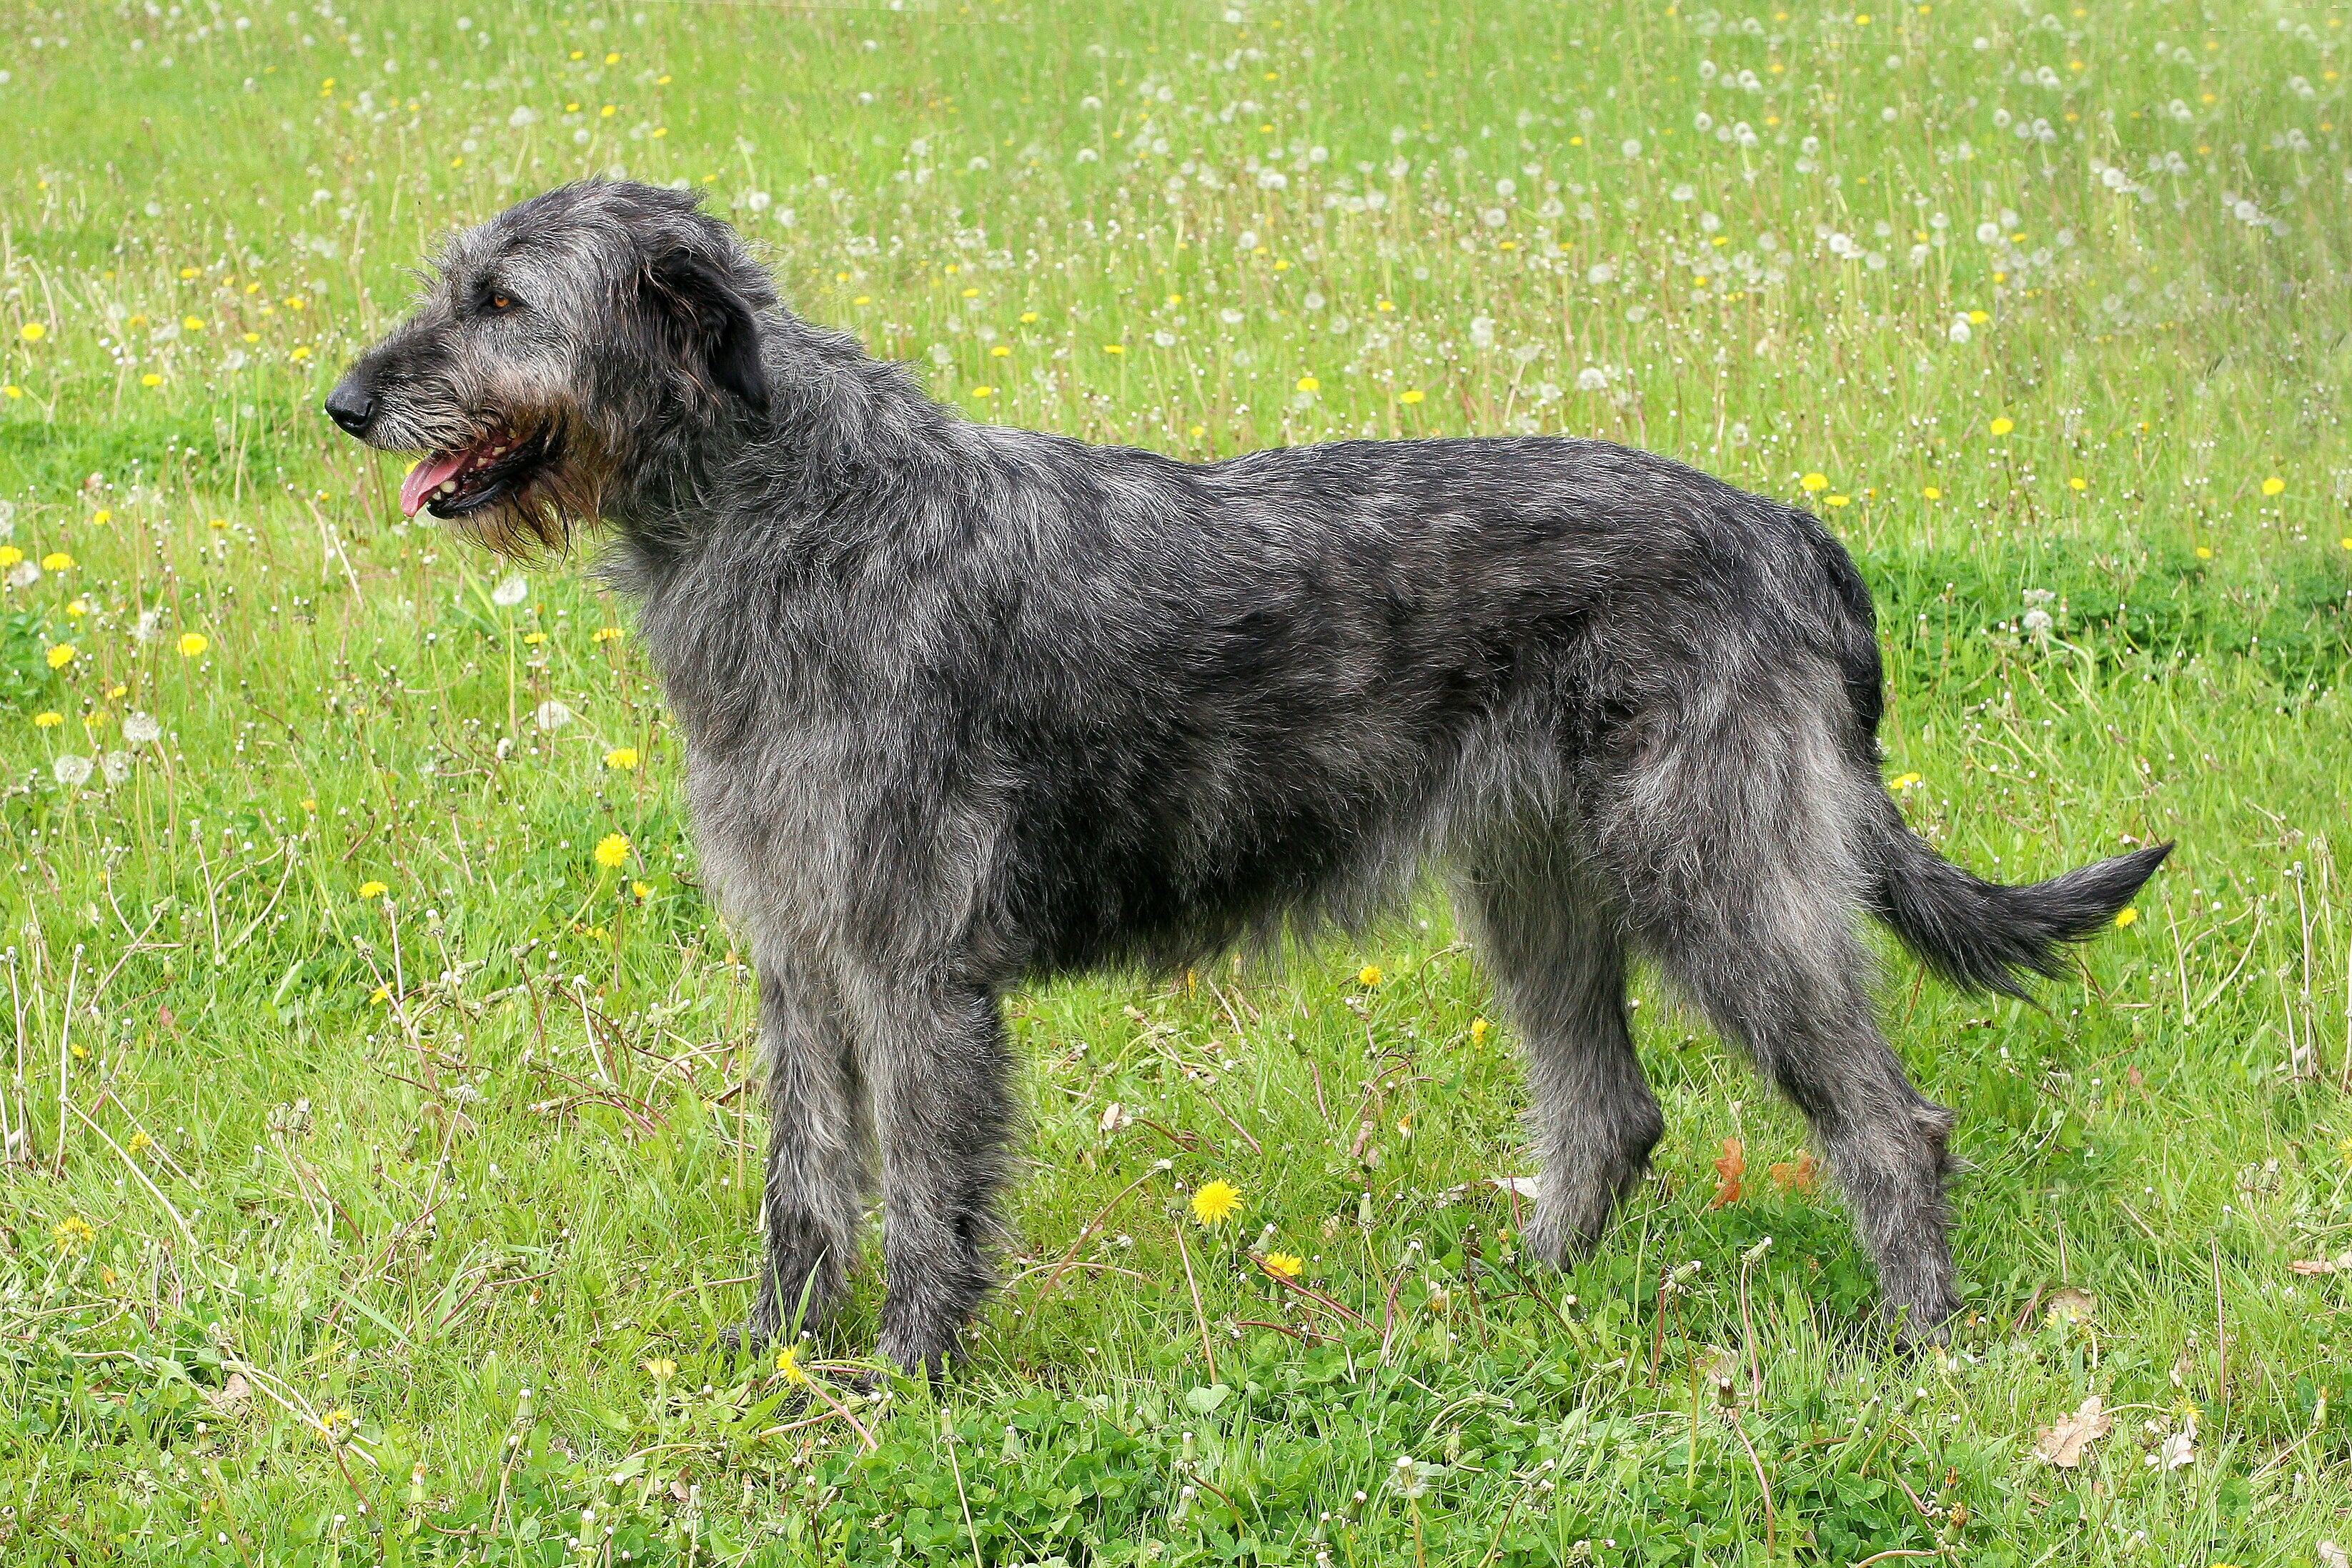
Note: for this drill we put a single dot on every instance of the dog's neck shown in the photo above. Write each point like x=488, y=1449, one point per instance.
x=838, y=419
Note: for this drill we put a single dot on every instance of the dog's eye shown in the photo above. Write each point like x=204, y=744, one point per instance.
x=500, y=302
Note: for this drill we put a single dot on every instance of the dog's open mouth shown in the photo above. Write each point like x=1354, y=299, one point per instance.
x=498, y=465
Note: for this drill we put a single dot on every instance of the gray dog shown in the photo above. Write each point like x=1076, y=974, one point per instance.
x=966, y=705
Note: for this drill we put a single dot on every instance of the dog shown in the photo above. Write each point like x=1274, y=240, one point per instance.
x=965, y=706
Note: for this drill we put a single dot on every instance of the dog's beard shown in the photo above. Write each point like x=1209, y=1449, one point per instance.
x=521, y=490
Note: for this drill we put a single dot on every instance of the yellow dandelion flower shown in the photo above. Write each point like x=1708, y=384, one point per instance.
x=191, y=644
x=2125, y=916
x=335, y=1423
x=1309, y=384
x=373, y=889
x=1932, y=493
x=613, y=851
x=150, y=379
x=788, y=1364
x=609, y=633
x=1114, y=348
x=2204, y=552
x=1216, y=1201
x=1836, y=500
x=192, y=323
x=139, y=1143
x=642, y=889
x=1000, y=351
x=32, y=331
x=2345, y=543
x=1287, y=1265
x=48, y=721
x=10, y=555
x=61, y=655
x=2003, y=426
x=56, y=560
x=1027, y=317
x=1909, y=781
x=660, y=1368
x=72, y=1233
x=380, y=996
x=1814, y=483
x=1411, y=395
x=1978, y=318
x=1478, y=1028
x=621, y=757
x=12, y=391
x=534, y=639
x=983, y=392
x=2273, y=485
x=1369, y=975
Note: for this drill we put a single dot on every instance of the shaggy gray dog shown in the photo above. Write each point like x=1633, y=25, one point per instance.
x=966, y=705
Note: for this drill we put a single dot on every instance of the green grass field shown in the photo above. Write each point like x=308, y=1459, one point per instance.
x=379, y=1165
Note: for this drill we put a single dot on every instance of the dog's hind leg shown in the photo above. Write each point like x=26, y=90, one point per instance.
x=937, y=1056
x=819, y=1139
x=1548, y=938
x=1737, y=846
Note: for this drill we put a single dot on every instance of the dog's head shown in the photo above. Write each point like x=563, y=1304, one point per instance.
x=559, y=345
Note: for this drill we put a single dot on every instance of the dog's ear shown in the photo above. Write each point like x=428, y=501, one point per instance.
x=715, y=320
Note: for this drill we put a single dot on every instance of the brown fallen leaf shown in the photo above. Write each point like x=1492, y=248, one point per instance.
x=230, y=1396
x=1729, y=1167
x=2063, y=1444
x=1795, y=1176
x=2339, y=1264
x=2069, y=1306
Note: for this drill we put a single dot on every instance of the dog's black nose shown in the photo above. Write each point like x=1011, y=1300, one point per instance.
x=349, y=407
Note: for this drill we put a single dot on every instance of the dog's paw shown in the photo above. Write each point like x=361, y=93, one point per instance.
x=1914, y=1331
x=745, y=1340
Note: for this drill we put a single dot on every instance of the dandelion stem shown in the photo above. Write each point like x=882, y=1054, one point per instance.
x=1208, y=1351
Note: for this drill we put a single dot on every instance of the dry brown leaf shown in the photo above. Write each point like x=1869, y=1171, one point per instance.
x=2339, y=1264
x=2063, y=1444
x=230, y=1396
x=1795, y=1176
x=1729, y=1167
x=2069, y=1306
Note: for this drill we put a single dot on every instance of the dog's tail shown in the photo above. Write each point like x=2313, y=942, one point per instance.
x=1983, y=936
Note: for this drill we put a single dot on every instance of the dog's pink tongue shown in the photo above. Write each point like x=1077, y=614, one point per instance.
x=425, y=478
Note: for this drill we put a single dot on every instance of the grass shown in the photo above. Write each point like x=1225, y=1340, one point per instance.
x=346, y=1226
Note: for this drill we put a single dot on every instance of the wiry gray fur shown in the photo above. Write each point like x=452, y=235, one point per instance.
x=965, y=705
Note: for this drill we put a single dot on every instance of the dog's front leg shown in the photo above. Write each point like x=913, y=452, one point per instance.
x=819, y=1136
x=936, y=1052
